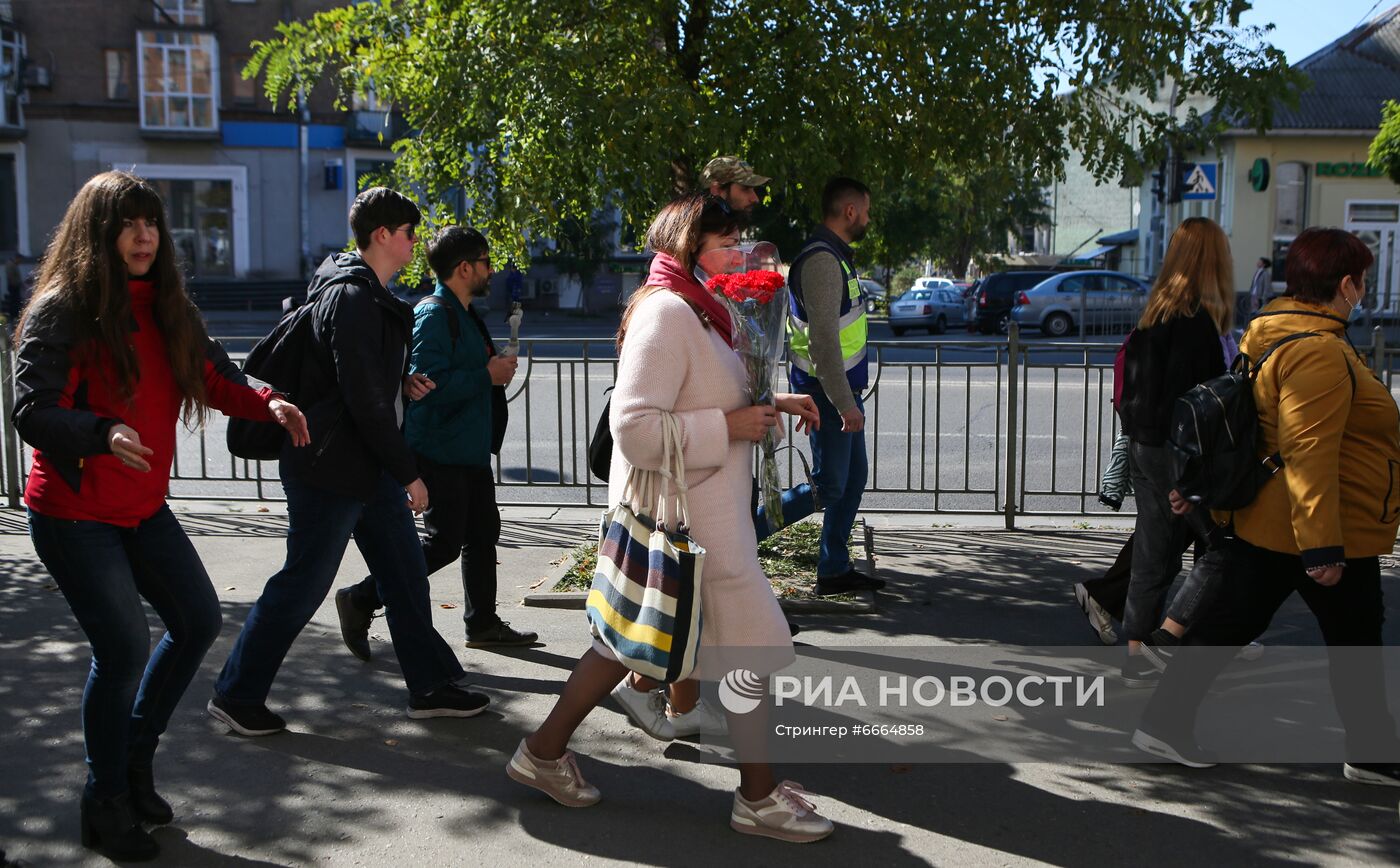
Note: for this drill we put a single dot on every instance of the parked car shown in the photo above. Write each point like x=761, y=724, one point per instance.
x=1103, y=300
x=874, y=293
x=932, y=309
x=932, y=283
x=996, y=295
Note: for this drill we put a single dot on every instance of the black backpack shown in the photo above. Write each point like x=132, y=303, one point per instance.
x=1213, y=441
x=278, y=361
x=500, y=404
x=600, y=448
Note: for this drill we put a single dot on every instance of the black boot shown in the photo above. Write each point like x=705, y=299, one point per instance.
x=110, y=825
x=145, y=802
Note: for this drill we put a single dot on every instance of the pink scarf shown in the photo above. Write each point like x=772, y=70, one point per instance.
x=667, y=273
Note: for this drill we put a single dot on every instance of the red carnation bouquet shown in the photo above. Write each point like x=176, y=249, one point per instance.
x=748, y=283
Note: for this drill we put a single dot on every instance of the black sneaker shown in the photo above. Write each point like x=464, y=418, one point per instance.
x=354, y=623
x=500, y=635
x=847, y=583
x=1159, y=648
x=1380, y=774
x=447, y=701
x=1139, y=672
x=250, y=720
x=1177, y=749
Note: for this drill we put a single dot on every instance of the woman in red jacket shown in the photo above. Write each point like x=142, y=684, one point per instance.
x=111, y=353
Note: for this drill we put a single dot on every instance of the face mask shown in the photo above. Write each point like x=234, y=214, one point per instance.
x=1354, y=315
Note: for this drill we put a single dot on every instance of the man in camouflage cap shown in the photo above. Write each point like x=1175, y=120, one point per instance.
x=732, y=180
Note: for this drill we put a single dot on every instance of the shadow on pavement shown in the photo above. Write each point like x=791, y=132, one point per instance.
x=354, y=770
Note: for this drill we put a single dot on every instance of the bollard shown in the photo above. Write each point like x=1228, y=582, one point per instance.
x=1378, y=355
x=10, y=449
x=1013, y=352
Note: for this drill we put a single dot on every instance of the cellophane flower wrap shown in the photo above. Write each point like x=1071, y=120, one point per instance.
x=748, y=282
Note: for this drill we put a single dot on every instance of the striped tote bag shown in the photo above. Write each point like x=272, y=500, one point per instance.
x=644, y=604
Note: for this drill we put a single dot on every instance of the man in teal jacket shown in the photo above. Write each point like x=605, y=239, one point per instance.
x=450, y=429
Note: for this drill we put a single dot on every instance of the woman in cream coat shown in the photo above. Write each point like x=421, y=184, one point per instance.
x=675, y=357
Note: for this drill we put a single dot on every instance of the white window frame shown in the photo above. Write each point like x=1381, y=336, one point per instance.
x=226, y=172
x=178, y=12
x=187, y=93
x=354, y=155
x=19, y=53
x=16, y=150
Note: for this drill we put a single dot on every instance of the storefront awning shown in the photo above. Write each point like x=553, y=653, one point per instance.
x=1096, y=253
x=1119, y=239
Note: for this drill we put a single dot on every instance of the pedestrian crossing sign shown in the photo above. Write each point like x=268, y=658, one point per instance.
x=1198, y=181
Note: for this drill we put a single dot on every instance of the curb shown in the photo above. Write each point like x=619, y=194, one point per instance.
x=863, y=604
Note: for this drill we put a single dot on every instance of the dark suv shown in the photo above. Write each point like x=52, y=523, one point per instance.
x=996, y=295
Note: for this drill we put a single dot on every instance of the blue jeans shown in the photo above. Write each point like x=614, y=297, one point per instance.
x=104, y=571
x=320, y=525
x=839, y=469
x=798, y=503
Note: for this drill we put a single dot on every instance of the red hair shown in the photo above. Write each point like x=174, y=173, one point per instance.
x=1319, y=258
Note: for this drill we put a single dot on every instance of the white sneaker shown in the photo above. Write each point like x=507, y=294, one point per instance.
x=1098, y=616
x=784, y=814
x=646, y=709
x=1252, y=651
x=559, y=779
x=703, y=719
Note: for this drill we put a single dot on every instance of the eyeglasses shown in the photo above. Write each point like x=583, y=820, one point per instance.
x=410, y=231
x=485, y=259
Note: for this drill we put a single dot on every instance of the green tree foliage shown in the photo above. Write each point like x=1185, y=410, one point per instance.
x=545, y=111
x=1385, y=148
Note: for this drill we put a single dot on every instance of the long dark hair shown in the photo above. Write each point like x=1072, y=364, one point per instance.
x=82, y=276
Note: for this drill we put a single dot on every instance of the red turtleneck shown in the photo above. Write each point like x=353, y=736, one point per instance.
x=111, y=492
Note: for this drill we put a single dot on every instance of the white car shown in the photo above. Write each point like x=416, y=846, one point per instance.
x=933, y=283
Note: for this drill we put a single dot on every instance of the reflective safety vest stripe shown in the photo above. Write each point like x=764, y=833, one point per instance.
x=853, y=328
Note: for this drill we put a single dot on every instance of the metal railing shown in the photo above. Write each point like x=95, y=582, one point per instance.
x=998, y=427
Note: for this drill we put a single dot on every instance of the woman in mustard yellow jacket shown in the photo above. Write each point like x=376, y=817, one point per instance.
x=1320, y=524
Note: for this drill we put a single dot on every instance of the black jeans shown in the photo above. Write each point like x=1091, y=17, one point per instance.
x=104, y=571
x=1350, y=613
x=1159, y=539
x=1111, y=589
x=462, y=521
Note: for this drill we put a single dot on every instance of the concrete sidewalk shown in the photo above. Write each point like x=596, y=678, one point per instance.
x=355, y=782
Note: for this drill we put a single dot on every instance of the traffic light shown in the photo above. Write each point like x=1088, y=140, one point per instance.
x=1159, y=187
x=1176, y=168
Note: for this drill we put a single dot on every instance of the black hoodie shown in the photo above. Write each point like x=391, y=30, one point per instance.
x=352, y=385
x=1161, y=364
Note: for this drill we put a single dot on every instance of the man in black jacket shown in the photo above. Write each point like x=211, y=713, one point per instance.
x=358, y=478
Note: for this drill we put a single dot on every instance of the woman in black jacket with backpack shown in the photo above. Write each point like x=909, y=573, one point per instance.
x=1177, y=345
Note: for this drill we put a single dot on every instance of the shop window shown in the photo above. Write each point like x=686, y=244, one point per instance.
x=1291, y=199
x=179, y=80
x=200, y=214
